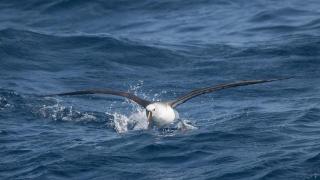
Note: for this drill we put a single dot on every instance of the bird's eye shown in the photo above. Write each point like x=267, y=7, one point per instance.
x=154, y=109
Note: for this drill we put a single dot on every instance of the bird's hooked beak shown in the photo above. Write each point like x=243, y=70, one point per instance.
x=149, y=117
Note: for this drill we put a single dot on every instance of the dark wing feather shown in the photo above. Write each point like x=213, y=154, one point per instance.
x=205, y=90
x=130, y=96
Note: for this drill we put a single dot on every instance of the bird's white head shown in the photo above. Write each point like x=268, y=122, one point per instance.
x=152, y=108
x=156, y=110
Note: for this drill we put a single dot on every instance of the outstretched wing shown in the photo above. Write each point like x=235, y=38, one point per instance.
x=144, y=103
x=210, y=89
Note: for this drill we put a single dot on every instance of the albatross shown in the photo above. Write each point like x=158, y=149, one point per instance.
x=164, y=113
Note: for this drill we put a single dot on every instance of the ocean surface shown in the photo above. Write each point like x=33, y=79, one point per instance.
x=159, y=50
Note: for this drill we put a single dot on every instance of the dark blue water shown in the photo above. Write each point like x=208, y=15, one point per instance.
x=159, y=50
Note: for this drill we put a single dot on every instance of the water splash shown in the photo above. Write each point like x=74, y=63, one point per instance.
x=59, y=112
x=138, y=121
x=122, y=123
x=4, y=103
x=185, y=125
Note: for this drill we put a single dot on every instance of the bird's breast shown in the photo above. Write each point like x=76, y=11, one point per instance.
x=166, y=116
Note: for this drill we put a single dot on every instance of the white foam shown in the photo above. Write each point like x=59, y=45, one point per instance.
x=4, y=103
x=60, y=112
x=185, y=125
x=135, y=121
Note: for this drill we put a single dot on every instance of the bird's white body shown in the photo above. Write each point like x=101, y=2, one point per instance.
x=162, y=113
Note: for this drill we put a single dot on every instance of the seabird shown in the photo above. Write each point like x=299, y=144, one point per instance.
x=163, y=113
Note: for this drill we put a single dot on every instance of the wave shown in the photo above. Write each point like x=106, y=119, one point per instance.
x=35, y=50
x=285, y=20
x=115, y=5
x=167, y=21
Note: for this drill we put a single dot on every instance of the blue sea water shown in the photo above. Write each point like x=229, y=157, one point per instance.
x=159, y=50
